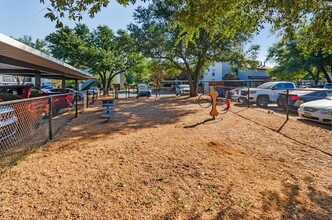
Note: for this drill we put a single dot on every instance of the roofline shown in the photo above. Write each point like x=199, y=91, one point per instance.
x=23, y=47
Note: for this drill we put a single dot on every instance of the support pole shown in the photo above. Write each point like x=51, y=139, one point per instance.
x=37, y=80
x=76, y=99
x=87, y=98
x=50, y=116
x=287, y=107
x=248, y=97
x=63, y=85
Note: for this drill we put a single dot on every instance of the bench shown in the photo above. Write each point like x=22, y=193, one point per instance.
x=107, y=105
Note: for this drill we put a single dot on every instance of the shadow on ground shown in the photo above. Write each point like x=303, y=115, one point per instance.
x=132, y=114
x=286, y=203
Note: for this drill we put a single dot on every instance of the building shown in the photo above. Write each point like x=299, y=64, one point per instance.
x=218, y=71
x=13, y=80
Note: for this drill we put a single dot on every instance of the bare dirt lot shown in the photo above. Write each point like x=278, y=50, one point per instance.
x=164, y=159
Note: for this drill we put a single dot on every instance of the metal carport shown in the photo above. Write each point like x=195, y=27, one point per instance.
x=19, y=59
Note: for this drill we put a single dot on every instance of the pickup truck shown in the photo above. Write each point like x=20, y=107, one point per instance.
x=265, y=93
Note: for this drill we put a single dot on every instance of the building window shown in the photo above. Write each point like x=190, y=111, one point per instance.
x=213, y=74
x=8, y=79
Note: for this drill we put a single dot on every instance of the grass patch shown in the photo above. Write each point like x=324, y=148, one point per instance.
x=13, y=157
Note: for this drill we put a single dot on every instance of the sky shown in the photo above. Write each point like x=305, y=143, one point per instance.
x=26, y=17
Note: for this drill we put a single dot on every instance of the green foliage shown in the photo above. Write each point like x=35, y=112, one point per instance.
x=231, y=76
x=69, y=45
x=296, y=60
x=103, y=52
x=222, y=15
x=159, y=38
x=38, y=44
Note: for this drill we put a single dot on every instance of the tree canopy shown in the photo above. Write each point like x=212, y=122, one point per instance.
x=192, y=15
x=295, y=60
x=103, y=52
x=157, y=37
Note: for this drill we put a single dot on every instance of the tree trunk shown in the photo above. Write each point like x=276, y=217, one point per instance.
x=197, y=75
x=103, y=81
x=327, y=75
x=190, y=82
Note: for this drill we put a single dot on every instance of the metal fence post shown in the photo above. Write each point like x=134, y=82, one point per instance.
x=87, y=98
x=287, y=107
x=248, y=97
x=76, y=105
x=50, y=116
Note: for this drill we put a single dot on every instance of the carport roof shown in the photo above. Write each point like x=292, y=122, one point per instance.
x=19, y=59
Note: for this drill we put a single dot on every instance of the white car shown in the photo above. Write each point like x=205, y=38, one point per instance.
x=234, y=94
x=8, y=123
x=319, y=110
x=182, y=89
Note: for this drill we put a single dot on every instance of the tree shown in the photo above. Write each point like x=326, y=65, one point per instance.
x=38, y=44
x=157, y=37
x=194, y=15
x=106, y=54
x=295, y=62
x=70, y=45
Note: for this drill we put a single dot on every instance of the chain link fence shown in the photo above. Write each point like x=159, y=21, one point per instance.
x=28, y=123
x=305, y=105
x=134, y=92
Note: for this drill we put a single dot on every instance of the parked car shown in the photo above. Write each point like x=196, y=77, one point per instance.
x=8, y=123
x=29, y=114
x=93, y=90
x=80, y=95
x=46, y=88
x=143, y=90
x=183, y=89
x=234, y=94
x=319, y=110
x=328, y=86
x=27, y=91
x=9, y=97
x=265, y=93
x=316, y=86
x=296, y=98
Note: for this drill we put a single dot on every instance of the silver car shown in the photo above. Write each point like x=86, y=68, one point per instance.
x=320, y=110
x=182, y=89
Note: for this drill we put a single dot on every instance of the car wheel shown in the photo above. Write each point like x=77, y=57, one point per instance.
x=262, y=101
x=279, y=103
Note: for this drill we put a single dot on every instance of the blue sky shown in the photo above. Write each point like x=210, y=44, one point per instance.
x=26, y=17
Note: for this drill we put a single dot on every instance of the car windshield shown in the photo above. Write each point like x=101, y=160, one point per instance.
x=184, y=86
x=328, y=86
x=268, y=85
x=143, y=87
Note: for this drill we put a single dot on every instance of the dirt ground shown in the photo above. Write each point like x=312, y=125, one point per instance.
x=165, y=159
